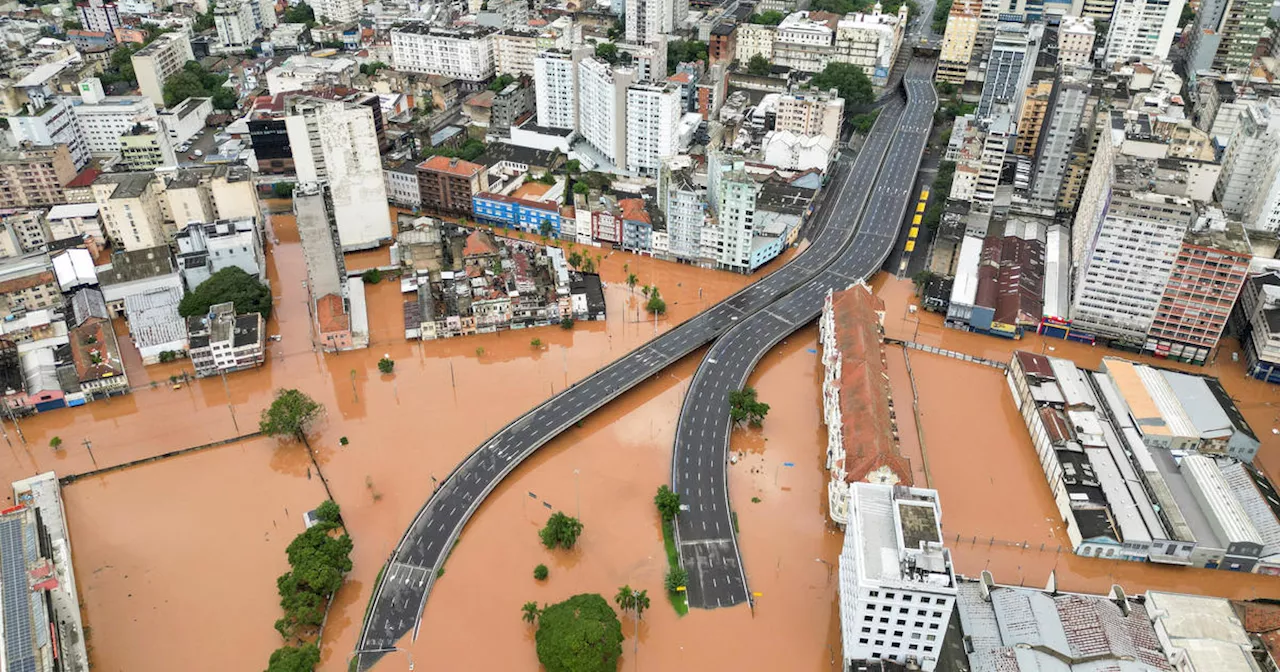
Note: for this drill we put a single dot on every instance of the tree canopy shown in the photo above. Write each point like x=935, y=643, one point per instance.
x=743, y=406
x=290, y=415
x=230, y=284
x=194, y=81
x=294, y=659
x=607, y=51
x=769, y=18
x=467, y=151
x=581, y=634
x=759, y=65
x=668, y=502
x=684, y=51
x=300, y=13
x=501, y=81
x=560, y=531
x=849, y=79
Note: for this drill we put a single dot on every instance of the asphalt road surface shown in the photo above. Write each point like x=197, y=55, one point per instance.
x=706, y=540
x=411, y=570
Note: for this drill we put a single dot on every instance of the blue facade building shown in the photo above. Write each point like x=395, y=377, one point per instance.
x=515, y=213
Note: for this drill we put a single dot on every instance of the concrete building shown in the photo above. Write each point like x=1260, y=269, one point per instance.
x=870, y=41
x=753, y=39
x=857, y=404
x=1203, y=285
x=301, y=73
x=336, y=143
x=1057, y=139
x=1256, y=322
x=147, y=147
x=1225, y=36
x=1076, y=36
x=95, y=352
x=958, y=41
x=236, y=28
x=158, y=61
x=462, y=53
x=331, y=309
x=183, y=121
x=1035, y=103
x=810, y=113
x=27, y=283
x=223, y=342
x=1247, y=188
x=75, y=220
x=652, y=112
x=1198, y=633
x=1142, y=29
x=1125, y=269
x=448, y=185
x=514, y=51
x=155, y=326
x=728, y=236
x=897, y=585
x=683, y=202
x=208, y=247
x=805, y=41
x=602, y=107
x=1009, y=68
x=130, y=206
x=555, y=85
x=512, y=106
x=402, y=185
x=103, y=119
x=338, y=11
x=50, y=123
x=99, y=15
x=35, y=176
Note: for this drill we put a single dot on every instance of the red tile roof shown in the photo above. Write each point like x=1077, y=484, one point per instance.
x=1258, y=616
x=680, y=78
x=633, y=210
x=85, y=178
x=444, y=164
x=479, y=243
x=331, y=314
x=868, y=433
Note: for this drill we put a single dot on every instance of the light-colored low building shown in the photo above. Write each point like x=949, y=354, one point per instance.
x=155, y=325
x=205, y=249
x=223, y=342
x=75, y=220
x=1200, y=634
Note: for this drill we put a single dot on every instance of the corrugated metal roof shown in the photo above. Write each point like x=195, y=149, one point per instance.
x=1220, y=503
x=1175, y=417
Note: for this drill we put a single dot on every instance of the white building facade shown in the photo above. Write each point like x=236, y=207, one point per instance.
x=461, y=53
x=555, y=79
x=652, y=113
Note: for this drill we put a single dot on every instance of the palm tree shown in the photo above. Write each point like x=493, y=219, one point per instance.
x=529, y=612
x=625, y=599
x=640, y=602
x=631, y=281
x=645, y=290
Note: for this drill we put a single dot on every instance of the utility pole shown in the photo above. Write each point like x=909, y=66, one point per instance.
x=232, y=409
x=88, y=445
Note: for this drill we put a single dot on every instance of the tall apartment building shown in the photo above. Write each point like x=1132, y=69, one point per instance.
x=646, y=20
x=652, y=110
x=236, y=25
x=1057, y=139
x=727, y=238
x=602, y=107
x=1000, y=134
x=897, y=583
x=147, y=147
x=1226, y=34
x=1143, y=29
x=870, y=41
x=130, y=205
x=100, y=16
x=158, y=61
x=958, y=41
x=335, y=143
x=103, y=119
x=1203, y=285
x=810, y=113
x=1013, y=57
x=1098, y=10
x=514, y=51
x=754, y=39
x=47, y=122
x=1035, y=103
x=1076, y=36
x=805, y=41
x=1124, y=269
x=461, y=53
x=337, y=11
x=34, y=177
x=1249, y=166
x=555, y=85
x=446, y=185
x=683, y=202
x=223, y=342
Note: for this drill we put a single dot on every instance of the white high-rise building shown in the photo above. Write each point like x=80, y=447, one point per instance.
x=337, y=11
x=684, y=204
x=335, y=144
x=237, y=28
x=1125, y=267
x=1247, y=188
x=602, y=108
x=647, y=19
x=461, y=53
x=103, y=119
x=652, y=113
x=897, y=584
x=555, y=85
x=1057, y=139
x=159, y=61
x=1009, y=67
x=52, y=124
x=99, y=15
x=1075, y=41
x=1143, y=29
x=726, y=239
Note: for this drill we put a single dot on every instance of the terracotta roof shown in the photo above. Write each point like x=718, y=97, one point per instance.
x=331, y=314
x=633, y=210
x=26, y=282
x=479, y=243
x=680, y=78
x=85, y=178
x=1258, y=617
x=95, y=340
x=444, y=164
x=865, y=397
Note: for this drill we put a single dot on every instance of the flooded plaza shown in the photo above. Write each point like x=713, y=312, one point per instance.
x=169, y=552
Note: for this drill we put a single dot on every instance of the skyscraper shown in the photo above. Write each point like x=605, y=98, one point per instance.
x=652, y=113
x=1013, y=57
x=1225, y=35
x=602, y=107
x=1057, y=137
x=1143, y=29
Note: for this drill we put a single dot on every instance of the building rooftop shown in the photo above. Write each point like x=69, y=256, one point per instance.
x=1204, y=629
x=154, y=318
x=137, y=265
x=451, y=166
x=95, y=351
x=129, y=185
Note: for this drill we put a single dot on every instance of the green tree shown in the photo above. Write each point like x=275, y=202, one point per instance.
x=759, y=65
x=862, y=123
x=581, y=188
x=581, y=634
x=300, y=13
x=536, y=344
x=71, y=25
x=294, y=659
x=561, y=531
x=372, y=276
x=328, y=512
x=224, y=98
x=684, y=51
x=386, y=365
x=230, y=284
x=607, y=51
x=588, y=265
x=540, y=572
x=923, y=278
x=566, y=323
x=290, y=415
x=55, y=443
x=668, y=503
x=545, y=228
x=769, y=18
x=283, y=189
x=656, y=305
x=677, y=577
x=625, y=599
x=852, y=83
x=529, y=612
x=575, y=259
x=631, y=282
x=372, y=68
x=181, y=86
x=500, y=82
x=744, y=406
x=205, y=21
x=572, y=166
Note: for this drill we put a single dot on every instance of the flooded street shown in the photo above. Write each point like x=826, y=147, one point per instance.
x=155, y=545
